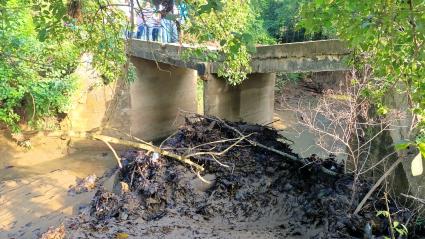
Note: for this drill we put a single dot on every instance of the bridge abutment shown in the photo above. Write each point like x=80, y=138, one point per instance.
x=252, y=101
x=157, y=95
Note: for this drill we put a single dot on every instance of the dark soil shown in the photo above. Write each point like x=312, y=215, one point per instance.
x=261, y=194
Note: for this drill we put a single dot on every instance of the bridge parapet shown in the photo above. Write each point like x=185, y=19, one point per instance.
x=311, y=56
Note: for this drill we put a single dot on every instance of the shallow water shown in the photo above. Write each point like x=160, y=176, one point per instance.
x=48, y=155
x=80, y=164
x=34, y=183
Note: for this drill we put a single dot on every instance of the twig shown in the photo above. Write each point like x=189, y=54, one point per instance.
x=130, y=136
x=413, y=197
x=376, y=185
x=149, y=147
x=222, y=152
x=142, y=145
x=169, y=137
x=389, y=216
x=113, y=151
x=214, y=142
x=220, y=163
x=202, y=179
x=132, y=176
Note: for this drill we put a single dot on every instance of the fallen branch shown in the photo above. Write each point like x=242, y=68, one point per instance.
x=113, y=151
x=148, y=147
x=376, y=185
x=107, y=140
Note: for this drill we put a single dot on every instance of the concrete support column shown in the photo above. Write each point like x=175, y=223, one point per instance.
x=157, y=96
x=252, y=101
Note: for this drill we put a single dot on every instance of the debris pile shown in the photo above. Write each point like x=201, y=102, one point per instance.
x=83, y=185
x=105, y=205
x=54, y=233
x=252, y=186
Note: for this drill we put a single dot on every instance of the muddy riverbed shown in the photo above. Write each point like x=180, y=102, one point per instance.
x=34, y=183
x=250, y=193
x=261, y=195
x=253, y=186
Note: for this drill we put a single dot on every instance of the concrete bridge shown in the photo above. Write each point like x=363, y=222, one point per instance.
x=167, y=83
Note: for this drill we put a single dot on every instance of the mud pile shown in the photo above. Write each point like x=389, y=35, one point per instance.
x=245, y=192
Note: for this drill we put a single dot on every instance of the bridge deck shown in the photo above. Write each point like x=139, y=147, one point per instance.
x=311, y=56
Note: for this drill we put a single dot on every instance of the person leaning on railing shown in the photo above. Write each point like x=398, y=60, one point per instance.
x=168, y=31
x=156, y=25
x=145, y=21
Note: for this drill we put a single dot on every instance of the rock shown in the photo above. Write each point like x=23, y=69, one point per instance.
x=367, y=234
x=240, y=195
x=288, y=187
x=152, y=201
x=270, y=170
x=123, y=216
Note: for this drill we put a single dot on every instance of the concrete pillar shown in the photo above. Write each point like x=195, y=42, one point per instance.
x=97, y=106
x=157, y=95
x=252, y=101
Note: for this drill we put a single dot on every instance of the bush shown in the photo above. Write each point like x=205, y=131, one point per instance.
x=41, y=47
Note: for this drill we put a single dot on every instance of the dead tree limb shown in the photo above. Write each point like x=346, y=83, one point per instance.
x=107, y=140
x=376, y=185
x=148, y=147
x=113, y=151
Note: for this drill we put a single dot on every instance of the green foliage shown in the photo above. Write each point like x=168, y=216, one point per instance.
x=41, y=46
x=91, y=26
x=401, y=229
x=396, y=226
x=402, y=145
x=417, y=162
x=281, y=17
x=387, y=35
x=237, y=26
x=131, y=73
x=383, y=213
x=231, y=25
x=282, y=79
x=200, y=96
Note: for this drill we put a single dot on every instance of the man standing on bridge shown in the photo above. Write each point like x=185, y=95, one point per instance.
x=145, y=22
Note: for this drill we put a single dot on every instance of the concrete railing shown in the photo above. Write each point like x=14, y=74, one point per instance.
x=311, y=56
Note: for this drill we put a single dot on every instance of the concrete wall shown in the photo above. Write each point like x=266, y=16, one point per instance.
x=157, y=96
x=96, y=106
x=252, y=101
